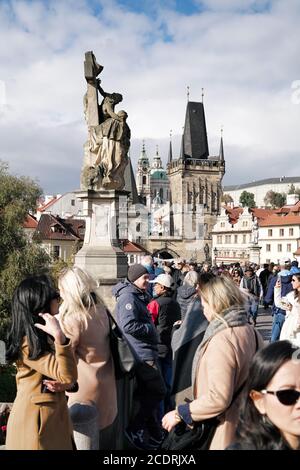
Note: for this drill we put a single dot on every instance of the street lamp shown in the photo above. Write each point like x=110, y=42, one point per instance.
x=215, y=254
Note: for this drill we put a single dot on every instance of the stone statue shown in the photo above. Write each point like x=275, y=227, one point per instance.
x=106, y=150
x=206, y=252
x=254, y=237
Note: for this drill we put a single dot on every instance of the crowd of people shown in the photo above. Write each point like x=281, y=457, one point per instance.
x=198, y=353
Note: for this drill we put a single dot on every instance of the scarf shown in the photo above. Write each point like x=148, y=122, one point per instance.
x=234, y=316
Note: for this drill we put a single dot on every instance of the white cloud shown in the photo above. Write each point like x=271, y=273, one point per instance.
x=246, y=63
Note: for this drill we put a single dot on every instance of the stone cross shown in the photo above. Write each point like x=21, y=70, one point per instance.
x=91, y=70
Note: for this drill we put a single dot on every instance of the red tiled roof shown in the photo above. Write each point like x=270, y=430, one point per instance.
x=233, y=214
x=46, y=206
x=132, y=247
x=70, y=228
x=30, y=222
x=276, y=220
x=261, y=214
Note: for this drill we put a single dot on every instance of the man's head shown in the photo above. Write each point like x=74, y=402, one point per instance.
x=138, y=275
x=163, y=283
x=249, y=272
x=285, y=264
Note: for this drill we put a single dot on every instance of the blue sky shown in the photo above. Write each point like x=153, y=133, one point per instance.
x=243, y=52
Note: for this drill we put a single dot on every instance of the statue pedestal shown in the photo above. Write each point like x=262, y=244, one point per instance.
x=254, y=254
x=101, y=255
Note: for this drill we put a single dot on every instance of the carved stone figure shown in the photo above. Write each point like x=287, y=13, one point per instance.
x=106, y=150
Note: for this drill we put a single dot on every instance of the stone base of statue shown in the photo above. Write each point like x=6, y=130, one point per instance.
x=101, y=254
x=254, y=253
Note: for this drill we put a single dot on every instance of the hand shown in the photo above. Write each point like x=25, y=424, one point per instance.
x=170, y=420
x=52, y=327
x=54, y=386
x=278, y=283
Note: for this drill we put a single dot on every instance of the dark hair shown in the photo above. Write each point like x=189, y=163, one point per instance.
x=253, y=428
x=31, y=297
x=204, y=278
x=296, y=292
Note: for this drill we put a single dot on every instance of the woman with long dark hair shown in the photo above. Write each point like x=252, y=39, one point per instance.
x=270, y=411
x=37, y=345
x=291, y=303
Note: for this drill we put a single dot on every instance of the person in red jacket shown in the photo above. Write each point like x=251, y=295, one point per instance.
x=165, y=311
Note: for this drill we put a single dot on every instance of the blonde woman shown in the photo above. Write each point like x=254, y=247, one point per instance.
x=221, y=363
x=93, y=407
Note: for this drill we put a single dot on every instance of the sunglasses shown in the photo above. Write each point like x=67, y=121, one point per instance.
x=286, y=397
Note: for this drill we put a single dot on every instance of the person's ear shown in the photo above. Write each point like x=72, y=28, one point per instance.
x=258, y=400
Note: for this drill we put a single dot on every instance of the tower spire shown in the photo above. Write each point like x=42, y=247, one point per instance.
x=170, y=157
x=221, y=152
x=202, y=94
x=188, y=93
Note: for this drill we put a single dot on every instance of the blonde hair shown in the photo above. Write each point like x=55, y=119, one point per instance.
x=76, y=287
x=191, y=279
x=221, y=293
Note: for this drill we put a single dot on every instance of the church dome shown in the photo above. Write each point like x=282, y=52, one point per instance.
x=158, y=174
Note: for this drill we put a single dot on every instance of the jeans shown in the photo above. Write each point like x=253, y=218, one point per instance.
x=84, y=417
x=165, y=365
x=278, y=321
x=150, y=391
x=253, y=308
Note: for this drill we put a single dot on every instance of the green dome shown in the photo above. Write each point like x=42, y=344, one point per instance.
x=159, y=175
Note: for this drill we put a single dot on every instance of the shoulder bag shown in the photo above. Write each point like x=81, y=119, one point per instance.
x=124, y=357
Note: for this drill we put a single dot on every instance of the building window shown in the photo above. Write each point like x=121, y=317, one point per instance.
x=244, y=239
x=281, y=232
x=235, y=239
x=279, y=248
x=268, y=247
x=131, y=261
x=227, y=238
x=222, y=224
x=289, y=247
x=56, y=251
x=219, y=239
x=161, y=194
x=72, y=202
x=291, y=232
x=245, y=224
x=270, y=232
x=144, y=179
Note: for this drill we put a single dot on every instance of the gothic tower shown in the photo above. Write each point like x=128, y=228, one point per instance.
x=195, y=185
x=143, y=177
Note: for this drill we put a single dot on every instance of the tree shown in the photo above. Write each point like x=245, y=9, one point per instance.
x=247, y=199
x=226, y=198
x=275, y=200
x=19, y=257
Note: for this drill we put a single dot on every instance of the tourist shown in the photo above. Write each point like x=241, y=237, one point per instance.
x=270, y=412
x=83, y=318
x=165, y=311
x=134, y=319
x=251, y=284
x=221, y=363
x=39, y=419
x=291, y=304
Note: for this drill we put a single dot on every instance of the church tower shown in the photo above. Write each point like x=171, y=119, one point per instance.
x=195, y=184
x=143, y=177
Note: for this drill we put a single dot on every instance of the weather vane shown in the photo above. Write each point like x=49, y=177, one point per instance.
x=188, y=93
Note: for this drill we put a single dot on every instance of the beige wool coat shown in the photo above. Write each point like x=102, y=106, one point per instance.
x=40, y=421
x=222, y=367
x=96, y=377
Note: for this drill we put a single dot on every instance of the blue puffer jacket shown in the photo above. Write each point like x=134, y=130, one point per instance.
x=135, y=321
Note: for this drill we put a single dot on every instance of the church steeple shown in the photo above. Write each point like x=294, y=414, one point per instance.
x=221, y=152
x=195, y=135
x=170, y=156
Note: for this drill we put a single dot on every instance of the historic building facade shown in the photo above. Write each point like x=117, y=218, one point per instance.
x=185, y=200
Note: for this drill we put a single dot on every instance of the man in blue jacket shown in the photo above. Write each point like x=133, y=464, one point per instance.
x=134, y=319
x=286, y=287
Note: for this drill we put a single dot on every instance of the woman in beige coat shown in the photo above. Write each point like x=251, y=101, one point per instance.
x=39, y=419
x=83, y=318
x=221, y=363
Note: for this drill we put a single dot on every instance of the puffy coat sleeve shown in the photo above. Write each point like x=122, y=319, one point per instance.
x=59, y=365
x=129, y=321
